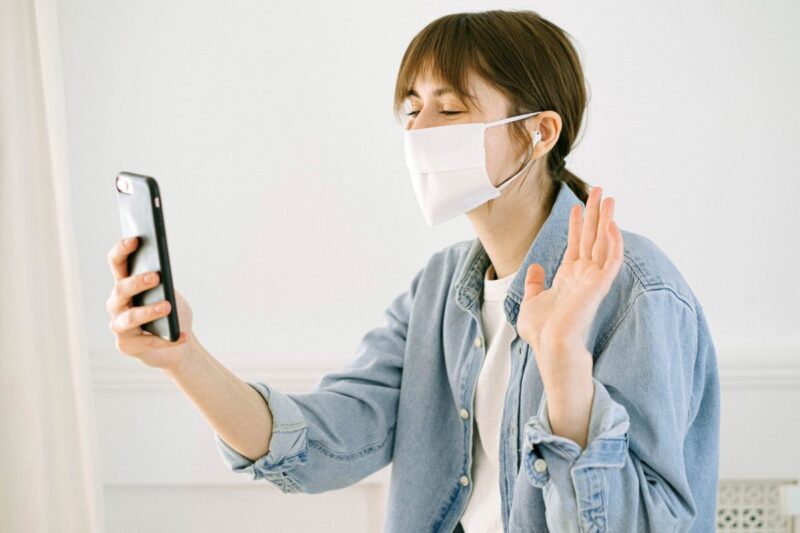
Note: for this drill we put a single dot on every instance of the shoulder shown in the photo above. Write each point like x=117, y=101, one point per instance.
x=646, y=267
x=649, y=291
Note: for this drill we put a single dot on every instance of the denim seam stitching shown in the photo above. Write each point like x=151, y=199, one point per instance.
x=604, y=340
x=270, y=466
x=637, y=273
x=288, y=428
x=364, y=450
x=469, y=268
x=601, y=477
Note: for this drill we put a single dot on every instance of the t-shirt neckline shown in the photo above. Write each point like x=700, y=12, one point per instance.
x=496, y=289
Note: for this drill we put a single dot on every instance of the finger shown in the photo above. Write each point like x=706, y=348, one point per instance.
x=126, y=288
x=136, y=316
x=601, y=245
x=534, y=280
x=118, y=257
x=572, y=253
x=119, y=331
x=590, y=222
x=616, y=248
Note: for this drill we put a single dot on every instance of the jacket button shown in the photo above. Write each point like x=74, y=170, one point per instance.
x=464, y=480
x=478, y=342
x=540, y=465
x=464, y=414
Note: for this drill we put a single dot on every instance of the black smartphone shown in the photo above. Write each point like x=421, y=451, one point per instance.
x=141, y=214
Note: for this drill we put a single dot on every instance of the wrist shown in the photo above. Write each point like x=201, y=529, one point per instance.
x=564, y=364
x=569, y=416
x=190, y=354
x=565, y=393
x=560, y=345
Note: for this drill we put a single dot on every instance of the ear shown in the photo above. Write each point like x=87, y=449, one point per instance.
x=548, y=125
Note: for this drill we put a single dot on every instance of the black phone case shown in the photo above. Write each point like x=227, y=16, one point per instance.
x=141, y=215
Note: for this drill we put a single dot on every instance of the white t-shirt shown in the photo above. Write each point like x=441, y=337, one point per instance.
x=483, y=512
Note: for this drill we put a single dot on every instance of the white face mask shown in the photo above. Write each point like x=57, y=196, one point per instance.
x=447, y=165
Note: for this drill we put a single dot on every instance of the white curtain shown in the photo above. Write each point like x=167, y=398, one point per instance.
x=49, y=479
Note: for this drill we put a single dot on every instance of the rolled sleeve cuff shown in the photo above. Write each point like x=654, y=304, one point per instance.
x=287, y=448
x=607, y=443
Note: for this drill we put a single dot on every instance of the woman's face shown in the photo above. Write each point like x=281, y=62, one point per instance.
x=430, y=105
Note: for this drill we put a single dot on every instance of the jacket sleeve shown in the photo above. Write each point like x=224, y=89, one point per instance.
x=651, y=461
x=342, y=430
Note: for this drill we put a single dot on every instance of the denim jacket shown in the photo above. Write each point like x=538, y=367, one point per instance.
x=406, y=398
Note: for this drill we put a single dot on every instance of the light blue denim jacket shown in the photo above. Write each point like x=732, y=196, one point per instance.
x=651, y=459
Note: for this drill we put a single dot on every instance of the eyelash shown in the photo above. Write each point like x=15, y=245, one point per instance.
x=413, y=113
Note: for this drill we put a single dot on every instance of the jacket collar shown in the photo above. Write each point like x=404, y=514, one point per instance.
x=547, y=249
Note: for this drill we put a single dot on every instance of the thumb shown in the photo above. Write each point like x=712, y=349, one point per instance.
x=534, y=280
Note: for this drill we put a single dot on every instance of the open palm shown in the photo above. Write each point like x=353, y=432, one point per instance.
x=561, y=315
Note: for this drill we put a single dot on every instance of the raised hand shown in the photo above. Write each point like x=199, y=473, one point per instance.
x=556, y=321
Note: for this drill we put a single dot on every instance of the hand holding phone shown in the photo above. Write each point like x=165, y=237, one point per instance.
x=126, y=318
x=140, y=326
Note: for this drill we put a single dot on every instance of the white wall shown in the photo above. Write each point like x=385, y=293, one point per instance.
x=292, y=222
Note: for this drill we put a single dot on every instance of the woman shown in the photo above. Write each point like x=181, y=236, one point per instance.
x=553, y=374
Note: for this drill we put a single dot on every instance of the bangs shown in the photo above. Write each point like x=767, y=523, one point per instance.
x=445, y=50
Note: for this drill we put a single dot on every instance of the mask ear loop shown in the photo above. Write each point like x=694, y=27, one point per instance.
x=536, y=138
x=509, y=119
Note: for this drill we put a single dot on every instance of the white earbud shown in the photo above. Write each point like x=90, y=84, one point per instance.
x=537, y=136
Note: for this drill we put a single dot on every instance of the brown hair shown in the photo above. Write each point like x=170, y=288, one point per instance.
x=526, y=57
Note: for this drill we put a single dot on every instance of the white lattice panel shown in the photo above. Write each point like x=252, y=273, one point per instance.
x=751, y=505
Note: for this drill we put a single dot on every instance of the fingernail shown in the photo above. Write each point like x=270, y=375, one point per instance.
x=148, y=278
x=128, y=241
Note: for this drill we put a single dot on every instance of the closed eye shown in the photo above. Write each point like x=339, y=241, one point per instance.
x=414, y=113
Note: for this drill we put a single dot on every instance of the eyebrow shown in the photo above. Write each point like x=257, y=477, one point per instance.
x=438, y=92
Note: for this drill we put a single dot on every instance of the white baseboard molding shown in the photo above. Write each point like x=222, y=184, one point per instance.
x=738, y=369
